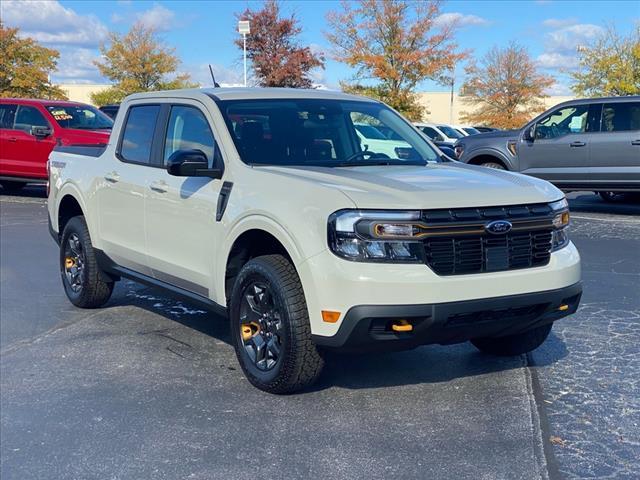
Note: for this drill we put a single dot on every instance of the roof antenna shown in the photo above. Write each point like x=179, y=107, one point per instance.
x=213, y=78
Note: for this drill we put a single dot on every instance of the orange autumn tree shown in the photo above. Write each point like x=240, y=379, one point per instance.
x=393, y=45
x=25, y=67
x=506, y=89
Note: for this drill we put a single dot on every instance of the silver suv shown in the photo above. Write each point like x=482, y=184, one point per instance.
x=591, y=144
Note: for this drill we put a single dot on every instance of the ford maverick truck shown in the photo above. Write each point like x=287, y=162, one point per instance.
x=268, y=207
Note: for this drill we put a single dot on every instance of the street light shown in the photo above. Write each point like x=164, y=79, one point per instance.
x=244, y=30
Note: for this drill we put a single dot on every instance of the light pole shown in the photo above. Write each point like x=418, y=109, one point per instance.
x=244, y=30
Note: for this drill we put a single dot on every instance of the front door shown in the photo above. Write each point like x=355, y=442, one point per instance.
x=560, y=151
x=180, y=213
x=26, y=155
x=121, y=190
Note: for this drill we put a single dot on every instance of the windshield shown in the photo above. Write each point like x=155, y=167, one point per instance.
x=471, y=130
x=450, y=132
x=83, y=117
x=318, y=132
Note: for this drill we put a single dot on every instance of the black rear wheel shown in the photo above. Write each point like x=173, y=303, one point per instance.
x=513, y=344
x=84, y=283
x=270, y=326
x=11, y=187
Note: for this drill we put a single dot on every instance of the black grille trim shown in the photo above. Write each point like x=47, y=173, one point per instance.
x=459, y=245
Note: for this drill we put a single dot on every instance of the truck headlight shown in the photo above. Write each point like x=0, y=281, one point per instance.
x=458, y=150
x=561, y=220
x=376, y=236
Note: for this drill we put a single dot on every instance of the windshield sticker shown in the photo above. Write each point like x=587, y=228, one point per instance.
x=61, y=115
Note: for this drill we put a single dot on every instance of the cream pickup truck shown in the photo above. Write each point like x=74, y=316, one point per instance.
x=264, y=206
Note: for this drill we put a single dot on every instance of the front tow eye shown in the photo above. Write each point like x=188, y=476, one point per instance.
x=401, y=326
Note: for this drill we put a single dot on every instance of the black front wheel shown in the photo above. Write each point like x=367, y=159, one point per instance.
x=612, y=197
x=270, y=326
x=84, y=283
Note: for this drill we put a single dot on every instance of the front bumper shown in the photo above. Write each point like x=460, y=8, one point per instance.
x=368, y=327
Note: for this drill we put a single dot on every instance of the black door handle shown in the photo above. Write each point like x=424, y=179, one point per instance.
x=635, y=142
x=577, y=144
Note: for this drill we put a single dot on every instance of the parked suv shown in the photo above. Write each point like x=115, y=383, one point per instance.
x=591, y=144
x=265, y=206
x=29, y=129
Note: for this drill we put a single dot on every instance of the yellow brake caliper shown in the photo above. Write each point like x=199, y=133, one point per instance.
x=69, y=262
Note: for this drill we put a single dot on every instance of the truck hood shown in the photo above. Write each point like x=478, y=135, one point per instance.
x=442, y=185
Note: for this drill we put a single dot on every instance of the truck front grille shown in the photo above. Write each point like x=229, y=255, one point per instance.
x=459, y=245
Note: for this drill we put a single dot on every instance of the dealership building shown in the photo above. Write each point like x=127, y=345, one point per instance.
x=439, y=104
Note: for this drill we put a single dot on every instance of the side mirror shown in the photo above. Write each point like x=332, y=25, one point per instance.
x=530, y=133
x=438, y=138
x=41, y=132
x=191, y=163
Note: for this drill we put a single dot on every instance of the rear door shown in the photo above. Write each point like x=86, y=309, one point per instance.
x=615, y=150
x=121, y=189
x=180, y=212
x=7, y=144
x=27, y=154
x=560, y=151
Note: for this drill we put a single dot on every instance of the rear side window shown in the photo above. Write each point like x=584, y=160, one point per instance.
x=621, y=117
x=137, y=136
x=7, y=114
x=28, y=117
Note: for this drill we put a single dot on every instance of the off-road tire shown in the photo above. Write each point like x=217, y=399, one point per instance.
x=95, y=290
x=494, y=165
x=300, y=363
x=10, y=187
x=513, y=344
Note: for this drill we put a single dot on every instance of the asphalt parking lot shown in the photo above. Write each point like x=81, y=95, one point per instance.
x=148, y=387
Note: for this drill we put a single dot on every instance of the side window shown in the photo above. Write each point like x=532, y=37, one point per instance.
x=563, y=121
x=7, y=114
x=188, y=129
x=137, y=136
x=431, y=133
x=28, y=117
x=621, y=117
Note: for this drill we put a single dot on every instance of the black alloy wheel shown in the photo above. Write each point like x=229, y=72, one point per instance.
x=261, y=326
x=74, y=262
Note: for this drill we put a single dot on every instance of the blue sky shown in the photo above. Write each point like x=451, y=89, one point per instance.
x=202, y=32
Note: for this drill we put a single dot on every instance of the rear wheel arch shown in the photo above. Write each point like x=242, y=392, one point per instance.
x=68, y=208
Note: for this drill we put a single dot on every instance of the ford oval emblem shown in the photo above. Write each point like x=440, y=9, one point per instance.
x=498, y=227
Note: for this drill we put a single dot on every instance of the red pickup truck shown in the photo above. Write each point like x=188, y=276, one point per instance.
x=29, y=129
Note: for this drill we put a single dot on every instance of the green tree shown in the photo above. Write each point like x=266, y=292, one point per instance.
x=393, y=45
x=609, y=66
x=506, y=89
x=25, y=67
x=138, y=62
x=272, y=48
